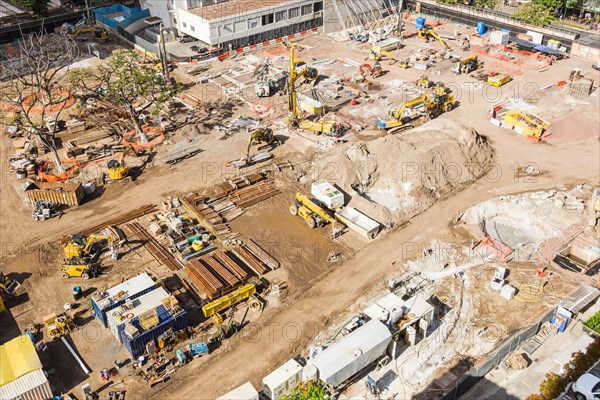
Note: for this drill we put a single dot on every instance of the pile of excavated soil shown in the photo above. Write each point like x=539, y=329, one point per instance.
x=394, y=178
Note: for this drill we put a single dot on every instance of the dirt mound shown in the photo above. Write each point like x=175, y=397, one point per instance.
x=394, y=178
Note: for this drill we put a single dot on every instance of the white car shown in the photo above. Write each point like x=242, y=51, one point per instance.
x=587, y=387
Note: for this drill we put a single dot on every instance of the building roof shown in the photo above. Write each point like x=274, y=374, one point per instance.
x=417, y=305
x=17, y=358
x=282, y=374
x=579, y=298
x=123, y=290
x=146, y=302
x=244, y=392
x=233, y=7
x=33, y=384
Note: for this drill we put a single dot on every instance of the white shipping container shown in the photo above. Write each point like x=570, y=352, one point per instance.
x=244, y=392
x=499, y=37
x=282, y=380
x=327, y=194
x=536, y=37
x=358, y=222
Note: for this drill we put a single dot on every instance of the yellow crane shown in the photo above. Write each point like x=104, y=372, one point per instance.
x=428, y=33
x=312, y=213
x=377, y=56
x=321, y=127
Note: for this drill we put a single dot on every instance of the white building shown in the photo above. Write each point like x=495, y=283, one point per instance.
x=237, y=23
x=244, y=392
x=283, y=380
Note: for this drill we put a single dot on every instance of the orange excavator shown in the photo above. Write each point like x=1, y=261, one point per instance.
x=374, y=71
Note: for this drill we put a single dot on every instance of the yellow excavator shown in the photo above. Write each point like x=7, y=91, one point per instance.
x=312, y=213
x=8, y=285
x=428, y=33
x=296, y=120
x=466, y=65
x=79, y=246
x=377, y=56
x=430, y=104
x=261, y=136
x=99, y=33
x=118, y=168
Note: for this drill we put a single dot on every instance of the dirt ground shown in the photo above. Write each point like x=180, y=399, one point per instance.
x=320, y=293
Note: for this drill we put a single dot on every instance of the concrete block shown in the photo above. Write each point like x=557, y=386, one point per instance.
x=496, y=284
x=508, y=292
x=420, y=66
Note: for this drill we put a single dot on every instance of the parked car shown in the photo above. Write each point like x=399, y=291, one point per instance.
x=185, y=39
x=199, y=49
x=587, y=387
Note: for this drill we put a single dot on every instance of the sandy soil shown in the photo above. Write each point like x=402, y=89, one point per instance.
x=320, y=292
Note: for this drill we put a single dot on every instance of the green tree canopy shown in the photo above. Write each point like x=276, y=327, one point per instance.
x=307, y=391
x=39, y=8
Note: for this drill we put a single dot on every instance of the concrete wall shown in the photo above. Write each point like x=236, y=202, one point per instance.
x=159, y=8
x=586, y=52
x=340, y=15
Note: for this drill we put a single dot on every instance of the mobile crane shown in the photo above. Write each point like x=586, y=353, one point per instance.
x=327, y=128
x=428, y=33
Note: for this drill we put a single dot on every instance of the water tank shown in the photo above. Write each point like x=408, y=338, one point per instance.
x=480, y=28
x=309, y=373
x=420, y=22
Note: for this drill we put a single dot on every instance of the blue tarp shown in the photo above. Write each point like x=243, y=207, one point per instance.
x=546, y=49
x=118, y=14
x=523, y=43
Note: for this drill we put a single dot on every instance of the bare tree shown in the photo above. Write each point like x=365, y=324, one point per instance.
x=35, y=91
x=127, y=84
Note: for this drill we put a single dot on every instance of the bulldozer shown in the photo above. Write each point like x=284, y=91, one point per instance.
x=312, y=213
x=428, y=33
x=79, y=246
x=424, y=82
x=58, y=325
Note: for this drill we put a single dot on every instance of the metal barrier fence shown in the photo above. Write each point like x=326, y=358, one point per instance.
x=141, y=42
x=497, y=356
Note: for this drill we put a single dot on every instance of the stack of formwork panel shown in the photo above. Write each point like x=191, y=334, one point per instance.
x=249, y=259
x=251, y=195
x=202, y=277
x=259, y=253
x=231, y=265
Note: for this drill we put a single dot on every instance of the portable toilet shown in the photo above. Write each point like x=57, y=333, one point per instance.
x=480, y=28
x=420, y=22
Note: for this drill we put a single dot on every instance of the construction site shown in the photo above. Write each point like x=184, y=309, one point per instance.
x=382, y=209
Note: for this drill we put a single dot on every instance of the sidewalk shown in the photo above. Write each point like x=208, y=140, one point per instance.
x=501, y=383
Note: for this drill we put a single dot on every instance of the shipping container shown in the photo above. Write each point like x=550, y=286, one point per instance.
x=499, y=37
x=244, y=392
x=134, y=308
x=359, y=349
x=282, y=380
x=66, y=193
x=358, y=222
x=137, y=345
x=107, y=300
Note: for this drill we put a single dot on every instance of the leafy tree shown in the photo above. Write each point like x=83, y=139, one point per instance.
x=307, y=391
x=474, y=3
x=535, y=396
x=124, y=82
x=552, y=386
x=31, y=95
x=543, y=12
x=39, y=8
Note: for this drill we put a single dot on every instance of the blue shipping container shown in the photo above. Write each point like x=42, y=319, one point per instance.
x=137, y=346
x=480, y=28
x=420, y=22
x=101, y=313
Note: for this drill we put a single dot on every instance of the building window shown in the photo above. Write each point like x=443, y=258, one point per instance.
x=194, y=4
x=184, y=24
x=318, y=6
x=294, y=12
x=192, y=28
x=280, y=15
x=267, y=19
x=307, y=9
x=253, y=23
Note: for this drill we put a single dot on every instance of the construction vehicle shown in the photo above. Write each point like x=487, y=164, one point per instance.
x=80, y=246
x=377, y=56
x=99, y=33
x=9, y=286
x=404, y=64
x=466, y=65
x=530, y=125
x=374, y=71
x=424, y=82
x=264, y=86
x=58, y=325
x=43, y=210
x=312, y=213
x=261, y=136
x=117, y=169
x=430, y=105
x=428, y=33
x=167, y=340
x=498, y=80
x=76, y=267
x=297, y=120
